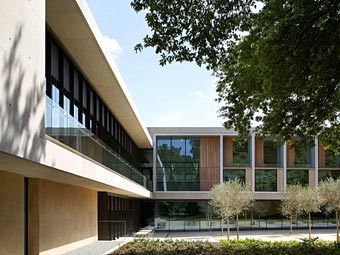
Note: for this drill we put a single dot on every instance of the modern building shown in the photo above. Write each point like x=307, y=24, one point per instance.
x=187, y=162
x=77, y=163
x=71, y=140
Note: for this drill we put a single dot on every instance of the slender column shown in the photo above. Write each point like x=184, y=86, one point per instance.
x=284, y=166
x=154, y=163
x=316, y=162
x=253, y=162
x=221, y=158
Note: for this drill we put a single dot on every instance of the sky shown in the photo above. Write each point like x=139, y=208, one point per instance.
x=179, y=94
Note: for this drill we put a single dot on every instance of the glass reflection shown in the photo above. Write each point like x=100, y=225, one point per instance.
x=324, y=174
x=199, y=215
x=178, y=163
x=332, y=160
x=272, y=152
x=302, y=153
x=297, y=176
x=232, y=174
x=266, y=180
x=241, y=153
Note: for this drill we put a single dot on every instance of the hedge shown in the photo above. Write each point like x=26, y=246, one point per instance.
x=242, y=247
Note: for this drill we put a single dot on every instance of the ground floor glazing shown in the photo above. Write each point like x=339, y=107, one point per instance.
x=199, y=216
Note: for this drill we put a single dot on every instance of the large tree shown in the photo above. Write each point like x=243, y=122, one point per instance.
x=278, y=65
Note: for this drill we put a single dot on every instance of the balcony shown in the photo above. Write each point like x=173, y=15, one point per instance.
x=61, y=126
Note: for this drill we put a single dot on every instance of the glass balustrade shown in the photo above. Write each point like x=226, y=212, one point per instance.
x=61, y=126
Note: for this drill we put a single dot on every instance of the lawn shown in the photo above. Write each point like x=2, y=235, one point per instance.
x=243, y=247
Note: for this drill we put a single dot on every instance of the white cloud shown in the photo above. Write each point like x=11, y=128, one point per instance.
x=112, y=46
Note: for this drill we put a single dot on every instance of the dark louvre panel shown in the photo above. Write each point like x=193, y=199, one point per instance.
x=67, y=86
x=76, y=85
x=54, y=60
x=117, y=216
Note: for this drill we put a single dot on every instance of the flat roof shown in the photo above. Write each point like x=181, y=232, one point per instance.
x=74, y=25
x=205, y=131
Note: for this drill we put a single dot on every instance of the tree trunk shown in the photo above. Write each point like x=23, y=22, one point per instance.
x=222, y=227
x=228, y=230
x=291, y=225
x=309, y=226
x=337, y=224
x=237, y=228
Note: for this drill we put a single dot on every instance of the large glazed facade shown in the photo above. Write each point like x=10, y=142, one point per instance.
x=77, y=164
x=189, y=161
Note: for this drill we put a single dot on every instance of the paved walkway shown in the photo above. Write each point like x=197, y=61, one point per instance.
x=266, y=235
x=99, y=247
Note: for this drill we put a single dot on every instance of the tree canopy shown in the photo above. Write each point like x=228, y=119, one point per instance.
x=278, y=66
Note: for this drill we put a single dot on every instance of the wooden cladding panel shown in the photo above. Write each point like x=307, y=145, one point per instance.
x=259, y=151
x=209, y=162
x=227, y=151
x=290, y=156
x=321, y=155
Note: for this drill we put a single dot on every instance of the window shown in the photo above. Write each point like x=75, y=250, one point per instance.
x=271, y=152
x=297, y=176
x=302, y=153
x=68, y=88
x=241, y=153
x=331, y=160
x=232, y=174
x=178, y=163
x=324, y=174
x=265, y=180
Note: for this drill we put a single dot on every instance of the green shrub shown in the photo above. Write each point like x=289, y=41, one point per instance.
x=243, y=247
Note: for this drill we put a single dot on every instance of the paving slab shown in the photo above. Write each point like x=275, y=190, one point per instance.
x=99, y=247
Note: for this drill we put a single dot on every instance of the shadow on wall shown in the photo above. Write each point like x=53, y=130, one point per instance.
x=22, y=101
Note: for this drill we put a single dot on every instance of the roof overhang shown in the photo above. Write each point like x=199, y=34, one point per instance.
x=73, y=24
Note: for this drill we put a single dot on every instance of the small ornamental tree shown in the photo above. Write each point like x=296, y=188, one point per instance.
x=310, y=202
x=329, y=191
x=221, y=203
x=230, y=199
x=291, y=206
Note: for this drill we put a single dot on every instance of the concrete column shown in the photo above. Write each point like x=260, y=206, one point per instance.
x=221, y=158
x=253, y=162
x=284, y=166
